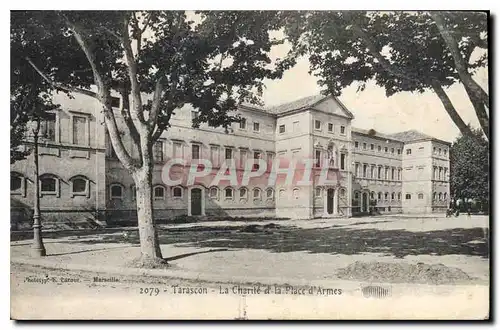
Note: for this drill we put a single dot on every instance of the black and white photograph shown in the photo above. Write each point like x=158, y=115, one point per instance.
x=250, y=165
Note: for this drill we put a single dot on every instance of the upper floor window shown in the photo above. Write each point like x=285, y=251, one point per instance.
x=195, y=151
x=342, y=161
x=229, y=153
x=372, y=146
x=228, y=193
x=317, y=158
x=317, y=124
x=48, y=127
x=270, y=193
x=408, y=151
x=439, y=151
x=408, y=196
x=80, y=131
x=379, y=148
x=399, y=151
x=243, y=192
x=330, y=127
x=243, y=123
x=356, y=144
x=256, y=127
x=214, y=193
x=256, y=193
x=364, y=146
x=158, y=151
x=420, y=196
x=177, y=150
x=282, y=129
x=342, y=129
x=386, y=149
x=392, y=150
x=445, y=151
x=296, y=193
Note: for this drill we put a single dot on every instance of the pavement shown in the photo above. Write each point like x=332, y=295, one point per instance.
x=259, y=266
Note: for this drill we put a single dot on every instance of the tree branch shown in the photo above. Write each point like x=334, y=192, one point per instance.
x=460, y=64
x=481, y=113
x=450, y=109
x=125, y=112
x=155, y=107
x=59, y=85
x=132, y=72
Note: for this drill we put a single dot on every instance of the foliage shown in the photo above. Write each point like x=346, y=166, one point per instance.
x=400, y=51
x=469, y=172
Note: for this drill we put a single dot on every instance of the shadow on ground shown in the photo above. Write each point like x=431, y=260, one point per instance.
x=333, y=240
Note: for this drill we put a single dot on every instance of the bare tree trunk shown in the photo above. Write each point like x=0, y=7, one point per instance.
x=150, y=247
x=481, y=113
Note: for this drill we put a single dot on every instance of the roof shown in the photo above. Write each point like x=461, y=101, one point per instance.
x=411, y=135
x=305, y=102
x=374, y=133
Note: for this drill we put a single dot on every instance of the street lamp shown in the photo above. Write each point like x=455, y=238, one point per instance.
x=37, y=249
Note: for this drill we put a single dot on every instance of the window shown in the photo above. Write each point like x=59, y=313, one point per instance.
x=379, y=174
x=317, y=192
x=439, y=151
x=342, y=192
x=386, y=196
x=158, y=151
x=392, y=173
x=379, y=148
x=445, y=196
x=213, y=193
x=256, y=155
x=356, y=144
x=372, y=146
x=317, y=125
x=342, y=161
x=159, y=192
x=79, y=186
x=399, y=196
x=342, y=129
x=243, y=123
x=365, y=171
x=177, y=192
x=296, y=193
x=392, y=151
x=330, y=127
x=356, y=195
x=243, y=192
x=364, y=146
x=214, y=155
x=256, y=127
x=16, y=184
x=420, y=196
x=80, y=134
x=229, y=153
x=393, y=196
x=228, y=193
x=440, y=196
x=317, y=158
x=434, y=196
x=270, y=193
x=177, y=149
x=399, y=151
x=115, y=102
x=445, y=151
x=379, y=196
x=195, y=151
x=386, y=149
x=372, y=195
x=48, y=127
x=408, y=196
x=116, y=191
x=356, y=170
x=282, y=129
x=256, y=193
x=282, y=193
x=408, y=151
x=134, y=192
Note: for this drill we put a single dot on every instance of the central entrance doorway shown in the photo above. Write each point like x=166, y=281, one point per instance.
x=196, y=201
x=365, y=203
x=329, y=200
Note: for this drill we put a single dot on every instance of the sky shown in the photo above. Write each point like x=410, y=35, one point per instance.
x=372, y=109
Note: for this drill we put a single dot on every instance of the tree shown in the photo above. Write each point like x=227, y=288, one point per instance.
x=158, y=61
x=469, y=167
x=400, y=51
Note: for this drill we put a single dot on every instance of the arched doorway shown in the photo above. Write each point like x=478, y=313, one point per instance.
x=196, y=203
x=365, y=207
x=329, y=200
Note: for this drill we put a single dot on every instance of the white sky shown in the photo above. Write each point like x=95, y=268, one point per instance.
x=372, y=109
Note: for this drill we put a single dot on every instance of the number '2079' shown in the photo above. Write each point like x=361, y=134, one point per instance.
x=149, y=291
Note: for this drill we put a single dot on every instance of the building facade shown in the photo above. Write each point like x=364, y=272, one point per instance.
x=297, y=160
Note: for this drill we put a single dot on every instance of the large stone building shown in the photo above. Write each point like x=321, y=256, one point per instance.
x=312, y=164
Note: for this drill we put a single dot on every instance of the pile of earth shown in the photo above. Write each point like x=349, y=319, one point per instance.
x=389, y=272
